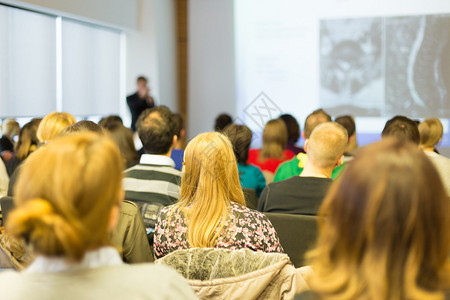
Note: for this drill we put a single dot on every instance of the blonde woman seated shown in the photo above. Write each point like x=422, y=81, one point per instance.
x=385, y=234
x=211, y=211
x=431, y=132
x=68, y=197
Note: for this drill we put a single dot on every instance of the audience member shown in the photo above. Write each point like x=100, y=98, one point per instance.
x=123, y=137
x=273, y=151
x=106, y=121
x=295, y=166
x=303, y=194
x=49, y=128
x=178, y=150
x=348, y=122
x=293, y=129
x=154, y=182
x=26, y=144
x=129, y=234
x=384, y=231
x=249, y=176
x=10, y=129
x=211, y=211
x=52, y=125
x=222, y=121
x=4, y=180
x=139, y=101
x=402, y=128
x=68, y=197
x=431, y=132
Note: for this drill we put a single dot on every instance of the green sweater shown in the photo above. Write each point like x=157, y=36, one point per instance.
x=291, y=168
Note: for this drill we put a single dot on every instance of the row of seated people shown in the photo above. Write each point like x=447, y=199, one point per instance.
x=192, y=233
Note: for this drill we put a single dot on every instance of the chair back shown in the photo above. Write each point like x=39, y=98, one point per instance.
x=251, y=198
x=297, y=234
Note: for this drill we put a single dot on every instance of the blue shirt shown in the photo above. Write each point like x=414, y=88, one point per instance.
x=251, y=177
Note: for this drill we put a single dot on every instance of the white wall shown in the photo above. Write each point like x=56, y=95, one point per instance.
x=212, y=87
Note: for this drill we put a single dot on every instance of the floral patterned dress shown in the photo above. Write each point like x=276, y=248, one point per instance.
x=245, y=228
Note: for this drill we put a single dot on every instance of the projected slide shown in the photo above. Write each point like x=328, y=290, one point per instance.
x=386, y=66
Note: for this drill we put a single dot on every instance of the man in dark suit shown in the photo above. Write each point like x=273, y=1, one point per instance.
x=139, y=101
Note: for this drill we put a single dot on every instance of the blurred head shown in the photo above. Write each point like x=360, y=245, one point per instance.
x=431, y=132
x=348, y=122
x=28, y=140
x=10, y=128
x=52, y=125
x=156, y=129
x=142, y=87
x=402, y=128
x=315, y=118
x=66, y=196
x=210, y=182
x=384, y=234
x=104, y=122
x=292, y=126
x=222, y=121
x=326, y=144
x=241, y=138
x=82, y=126
x=275, y=137
x=123, y=137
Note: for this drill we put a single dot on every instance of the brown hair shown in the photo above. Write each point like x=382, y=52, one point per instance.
x=241, y=138
x=123, y=137
x=28, y=140
x=431, y=132
x=384, y=228
x=275, y=139
x=315, y=118
x=64, y=195
x=403, y=128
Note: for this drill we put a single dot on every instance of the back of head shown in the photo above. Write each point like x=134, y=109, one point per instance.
x=275, y=137
x=222, y=121
x=385, y=235
x=348, y=122
x=402, y=128
x=52, y=125
x=82, y=126
x=179, y=123
x=156, y=129
x=431, y=132
x=315, y=118
x=292, y=126
x=209, y=184
x=241, y=138
x=10, y=128
x=326, y=144
x=105, y=122
x=65, y=193
x=123, y=137
x=28, y=140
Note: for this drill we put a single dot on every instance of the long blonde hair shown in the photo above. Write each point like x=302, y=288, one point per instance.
x=384, y=228
x=65, y=194
x=52, y=125
x=275, y=138
x=431, y=131
x=210, y=183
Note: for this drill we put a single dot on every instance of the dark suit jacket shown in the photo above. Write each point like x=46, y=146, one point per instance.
x=137, y=106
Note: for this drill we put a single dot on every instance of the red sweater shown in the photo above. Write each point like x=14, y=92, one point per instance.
x=269, y=164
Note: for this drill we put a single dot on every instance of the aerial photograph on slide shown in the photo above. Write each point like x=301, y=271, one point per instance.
x=386, y=66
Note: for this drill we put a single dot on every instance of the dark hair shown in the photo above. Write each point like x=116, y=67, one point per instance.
x=104, y=122
x=241, y=138
x=348, y=123
x=142, y=78
x=179, y=122
x=222, y=121
x=403, y=128
x=315, y=118
x=28, y=140
x=82, y=126
x=156, y=128
x=293, y=127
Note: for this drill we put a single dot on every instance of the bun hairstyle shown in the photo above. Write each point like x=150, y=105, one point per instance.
x=65, y=194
